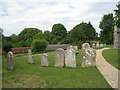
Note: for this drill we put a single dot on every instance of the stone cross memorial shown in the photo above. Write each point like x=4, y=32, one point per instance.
x=30, y=57
x=89, y=56
x=44, y=60
x=10, y=61
x=70, y=58
x=59, y=58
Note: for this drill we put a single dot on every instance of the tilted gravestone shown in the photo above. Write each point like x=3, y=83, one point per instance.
x=44, y=60
x=30, y=57
x=89, y=56
x=116, y=37
x=70, y=58
x=10, y=61
x=59, y=58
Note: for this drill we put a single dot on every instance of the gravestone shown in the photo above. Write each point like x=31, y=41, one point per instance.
x=70, y=47
x=44, y=60
x=75, y=48
x=116, y=37
x=97, y=45
x=104, y=45
x=10, y=61
x=101, y=45
x=70, y=58
x=59, y=58
x=88, y=56
x=93, y=45
x=30, y=57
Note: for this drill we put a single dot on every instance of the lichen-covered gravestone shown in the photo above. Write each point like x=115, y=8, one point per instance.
x=89, y=56
x=70, y=58
x=75, y=48
x=70, y=47
x=10, y=61
x=44, y=60
x=116, y=37
x=59, y=58
x=30, y=57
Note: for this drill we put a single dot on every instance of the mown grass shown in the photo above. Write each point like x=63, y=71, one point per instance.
x=111, y=56
x=34, y=75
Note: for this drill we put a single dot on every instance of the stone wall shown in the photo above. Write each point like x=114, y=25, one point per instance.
x=54, y=47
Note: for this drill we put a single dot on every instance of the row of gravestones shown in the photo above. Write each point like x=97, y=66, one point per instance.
x=89, y=57
x=98, y=45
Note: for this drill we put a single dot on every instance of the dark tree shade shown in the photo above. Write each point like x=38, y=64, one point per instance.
x=58, y=32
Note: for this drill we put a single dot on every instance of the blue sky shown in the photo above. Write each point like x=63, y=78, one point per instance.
x=15, y=15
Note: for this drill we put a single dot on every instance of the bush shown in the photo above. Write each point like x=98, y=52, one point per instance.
x=7, y=46
x=39, y=45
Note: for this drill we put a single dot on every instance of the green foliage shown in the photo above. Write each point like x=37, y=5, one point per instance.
x=54, y=41
x=39, y=45
x=28, y=33
x=117, y=16
x=59, y=32
x=7, y=46
x=39, y=35
x=106, y=35
x=82, y=32
x=47, y=35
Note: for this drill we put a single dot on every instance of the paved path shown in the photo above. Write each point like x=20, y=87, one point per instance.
x=109, y=72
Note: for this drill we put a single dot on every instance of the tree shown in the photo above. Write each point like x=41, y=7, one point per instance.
x=82, y=32
x=39, y=45
x=28, y=33
x=106, y=25
x=47, y=35
x=58, y=32
x=117, y=15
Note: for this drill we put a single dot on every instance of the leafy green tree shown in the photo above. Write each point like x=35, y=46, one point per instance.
x=82, y=32
x=58, y=32
x=39, y=35
x=39, y=45
x=106, y=25
x=28, y=33
x=47, y=35
x=6, y=46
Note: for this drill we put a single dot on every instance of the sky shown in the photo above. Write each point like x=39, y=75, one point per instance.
x=15, y=15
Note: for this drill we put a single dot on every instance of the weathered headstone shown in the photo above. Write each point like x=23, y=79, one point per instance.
x=59, y=58
x=104, y=45
x=30, y=57
x=97, y=45
x=70, y=58
x=116, y=37
x=89, y=56
x=10, y=61
x=101, y=45
x=44, y=60
x=93, y=45
x=75, y=48
x=70, y=47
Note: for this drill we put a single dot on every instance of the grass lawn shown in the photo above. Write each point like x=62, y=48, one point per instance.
x=111, y=56
x=35, y=76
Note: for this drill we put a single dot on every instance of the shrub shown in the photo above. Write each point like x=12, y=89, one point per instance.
x=7, y=46
x=39, y=45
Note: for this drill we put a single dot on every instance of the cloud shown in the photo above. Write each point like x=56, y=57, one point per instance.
x=15, y=16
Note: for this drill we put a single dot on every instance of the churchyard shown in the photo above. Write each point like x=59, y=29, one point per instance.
x=34, y=75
